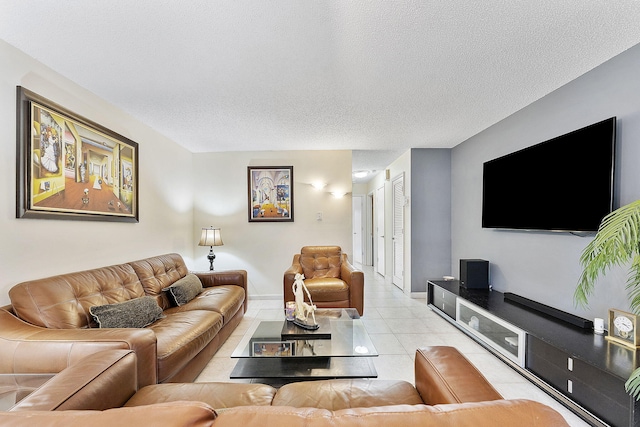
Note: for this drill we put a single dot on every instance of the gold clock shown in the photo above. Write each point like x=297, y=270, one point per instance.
x=623, y=328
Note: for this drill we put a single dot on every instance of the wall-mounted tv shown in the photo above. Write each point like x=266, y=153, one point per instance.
x=563, y=184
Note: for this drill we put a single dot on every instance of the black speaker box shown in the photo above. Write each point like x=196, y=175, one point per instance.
x=474, y=273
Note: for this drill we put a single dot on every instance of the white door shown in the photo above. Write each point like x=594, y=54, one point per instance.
x=358, y=234
x=398, y=231
x=379, y=212
x=368, y=226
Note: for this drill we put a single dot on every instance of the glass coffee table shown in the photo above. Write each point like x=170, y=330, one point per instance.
x=282, y=351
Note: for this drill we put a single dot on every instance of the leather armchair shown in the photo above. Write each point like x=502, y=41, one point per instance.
x=332, y=281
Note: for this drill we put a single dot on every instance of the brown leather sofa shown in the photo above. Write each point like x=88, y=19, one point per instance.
x=48, y=326
x=331, y=280
x=448, y=391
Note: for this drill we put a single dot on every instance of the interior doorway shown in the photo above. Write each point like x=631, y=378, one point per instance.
x=369, y=243
x=397, y=238
x=379, y=231
x=358, y=230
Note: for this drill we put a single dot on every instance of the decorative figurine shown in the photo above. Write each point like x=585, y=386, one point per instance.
x=302, y=308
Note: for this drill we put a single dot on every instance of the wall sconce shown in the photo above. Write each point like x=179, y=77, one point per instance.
x=318, y=185
x=211, y=237
x=338, y=194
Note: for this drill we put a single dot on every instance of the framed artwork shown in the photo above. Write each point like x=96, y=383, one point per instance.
x=69, y=167
x=270, y=193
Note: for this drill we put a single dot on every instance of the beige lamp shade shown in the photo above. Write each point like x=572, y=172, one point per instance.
x=210, y=237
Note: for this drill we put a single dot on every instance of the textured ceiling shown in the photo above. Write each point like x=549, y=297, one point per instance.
x=253, y=75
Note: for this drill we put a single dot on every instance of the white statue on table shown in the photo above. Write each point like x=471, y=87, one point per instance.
x=302, y=308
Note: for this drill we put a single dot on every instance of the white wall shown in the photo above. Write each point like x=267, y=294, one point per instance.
x=34, y=248
x=266, y=249
x=544, y=266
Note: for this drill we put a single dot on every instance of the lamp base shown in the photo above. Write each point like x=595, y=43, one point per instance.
x=211, y=257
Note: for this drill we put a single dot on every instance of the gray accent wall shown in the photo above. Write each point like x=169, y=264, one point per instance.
x=544, y=266
x=430, y=215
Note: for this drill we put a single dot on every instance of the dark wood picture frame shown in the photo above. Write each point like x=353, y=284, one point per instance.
x=270, y=193
x=69, y=167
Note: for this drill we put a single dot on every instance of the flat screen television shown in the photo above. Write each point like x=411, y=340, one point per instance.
x=563, y=184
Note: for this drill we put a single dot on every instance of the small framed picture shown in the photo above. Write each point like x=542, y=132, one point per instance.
x=273, y=348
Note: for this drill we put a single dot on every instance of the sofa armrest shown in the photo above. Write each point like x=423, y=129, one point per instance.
x=444, y=375
x=354, y=278
x=230, y=277
x=290, y=277
x=100, y=381
x=25, y=348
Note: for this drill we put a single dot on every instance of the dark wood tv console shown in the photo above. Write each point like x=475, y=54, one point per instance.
x=580, y=369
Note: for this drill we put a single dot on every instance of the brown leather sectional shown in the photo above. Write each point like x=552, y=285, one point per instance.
x=48, y=326
x=448, y=391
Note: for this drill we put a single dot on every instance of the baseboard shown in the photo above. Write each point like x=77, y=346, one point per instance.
x=418, y=295
x=265, y=297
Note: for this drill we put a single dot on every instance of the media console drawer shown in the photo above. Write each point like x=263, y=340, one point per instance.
x=444, y=300
x=600, y=391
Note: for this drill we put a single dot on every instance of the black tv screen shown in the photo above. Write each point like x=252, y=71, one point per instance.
x=563, y=184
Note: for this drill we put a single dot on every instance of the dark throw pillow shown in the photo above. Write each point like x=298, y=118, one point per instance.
x=135, y=313
x=184, y=290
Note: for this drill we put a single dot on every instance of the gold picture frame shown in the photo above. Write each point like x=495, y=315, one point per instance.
x=69, y=167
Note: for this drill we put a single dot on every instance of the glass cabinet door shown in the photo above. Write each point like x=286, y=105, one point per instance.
x=500, y=335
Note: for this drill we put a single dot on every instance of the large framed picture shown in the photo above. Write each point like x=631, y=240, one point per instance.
x=270, y=193
x=69, y=167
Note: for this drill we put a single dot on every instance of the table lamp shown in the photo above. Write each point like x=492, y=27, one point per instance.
x=211, y=237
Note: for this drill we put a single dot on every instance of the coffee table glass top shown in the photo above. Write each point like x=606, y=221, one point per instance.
x=341, y=334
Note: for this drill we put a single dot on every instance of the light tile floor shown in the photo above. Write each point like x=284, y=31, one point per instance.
x=398, y=325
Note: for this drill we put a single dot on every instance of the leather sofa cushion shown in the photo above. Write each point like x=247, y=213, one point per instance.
x=321, y=261
x=501, y=413
x=224, y=299
x=63, y=302
x=181, y=336
x=159, y=272
x=327, y=289
x=217, y=395
x=343, y=394
x=175, y=414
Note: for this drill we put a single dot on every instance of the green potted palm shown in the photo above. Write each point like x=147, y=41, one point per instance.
x=617, y=243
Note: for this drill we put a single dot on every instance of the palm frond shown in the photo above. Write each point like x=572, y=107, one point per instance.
x=615, y=243
x=632, y=385
x=632, y=284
